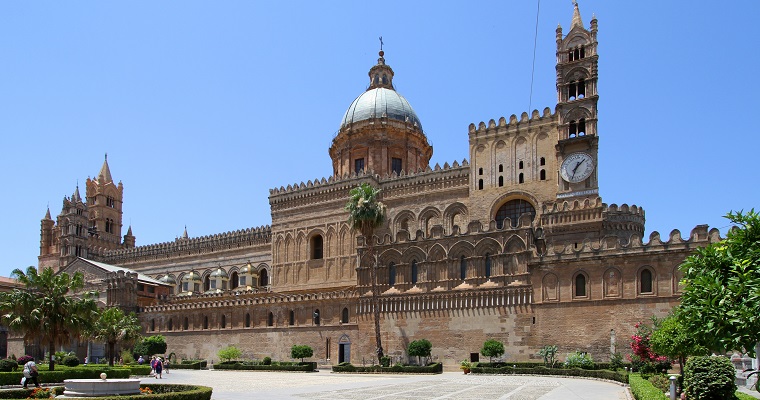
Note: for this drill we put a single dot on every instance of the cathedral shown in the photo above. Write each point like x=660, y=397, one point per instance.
x=515, y=244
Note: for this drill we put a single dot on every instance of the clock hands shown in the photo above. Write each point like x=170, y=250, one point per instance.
x=576, y=168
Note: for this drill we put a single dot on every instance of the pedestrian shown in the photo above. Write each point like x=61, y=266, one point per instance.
x=141, y=360
x=166, y=366
x=159, y=367
x=153, y=365
x=30, y=372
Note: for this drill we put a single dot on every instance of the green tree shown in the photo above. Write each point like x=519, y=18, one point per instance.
x=150, y=345
x=49, y=307
x=492, y=348
x=549, y=354
x=720, y=305
x=114, y=326
x=301, y=351
x=365, y=214
x=229, y=353
x=420, y=348
x=670, y=338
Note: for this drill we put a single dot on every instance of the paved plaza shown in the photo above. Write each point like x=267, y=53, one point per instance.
x=230, y=385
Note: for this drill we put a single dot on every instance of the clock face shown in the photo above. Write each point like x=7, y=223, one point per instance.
x=576, y=167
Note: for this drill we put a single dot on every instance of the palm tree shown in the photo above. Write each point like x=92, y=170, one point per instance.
x=365, y=214
x=48, y=307
x=113, y=326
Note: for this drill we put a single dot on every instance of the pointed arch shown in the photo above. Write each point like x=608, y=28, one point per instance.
x=487, y=245
x=429, y=217
x=413, y=253
x=461, y=248
x=455, y=214
x=404, y=220
x=550, y=287
x=515, y=244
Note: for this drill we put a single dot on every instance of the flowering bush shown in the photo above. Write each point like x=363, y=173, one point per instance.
x=40, y=393
x=25, y=359
x=579, y=360
x=643, y=358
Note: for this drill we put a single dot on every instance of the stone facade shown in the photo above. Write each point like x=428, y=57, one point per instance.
x=514, y=244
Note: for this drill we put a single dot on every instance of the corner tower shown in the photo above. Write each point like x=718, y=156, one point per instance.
x=380, y=131
x=577, y=98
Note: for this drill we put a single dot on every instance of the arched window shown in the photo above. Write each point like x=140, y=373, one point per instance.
x=572, y=129
x=462, y=268
x=234, y=280
x=207, y=283
x=270, y=319
x=542, y=161
x=317, y=247
x=480, y=171
x=501, y=168
x=247, y=320
x=501, y=181
x=316, y=317
x=186, y=325
x=344, y=316
x=153, y=325
x=414, y=272
x=542, y=174
x=292, y=318
x=205, y=322
x=646, y=280
x=513, y=210
x=170, y=324
x=488, y=265
x=580, y=285
x=263, y=278
x=521, y=178
x=581, y=126
x=391, y=274
x=480, y=184
x=224, y=321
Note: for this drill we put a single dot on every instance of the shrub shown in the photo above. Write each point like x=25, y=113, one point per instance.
x=71, y=360
x=419, y=348
x=8, y=365
x=707, y=377
x=25, y=359
x=492, y=348
x=616, y=361
x=126, y=356
x=301, y=351
x=229, y=353
x=267, y=361
x=661, y=382
x=549, y=354
x=385, y=361
x=643, y=389
x=579, y=360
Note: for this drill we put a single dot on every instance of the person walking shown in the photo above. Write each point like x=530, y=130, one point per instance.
x=159, y=367
x=30, y=372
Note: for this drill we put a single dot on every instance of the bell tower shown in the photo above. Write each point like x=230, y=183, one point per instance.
x=577, y=98
x=104, y=200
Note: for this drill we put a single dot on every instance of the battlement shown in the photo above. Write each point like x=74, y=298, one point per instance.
x=514, y=124
x=246, y=237
x=207, y=301
x=699, y=237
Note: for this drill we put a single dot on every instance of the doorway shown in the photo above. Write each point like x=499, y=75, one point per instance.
x=344, y=349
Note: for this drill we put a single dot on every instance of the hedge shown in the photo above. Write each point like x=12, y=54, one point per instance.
x=436, y=368
x=642, y=389
x=299, y=367
x=139, y=369
x=621, y=377
x=57, y=376
x=534, y=364
x=160, y=392
x=194, y=364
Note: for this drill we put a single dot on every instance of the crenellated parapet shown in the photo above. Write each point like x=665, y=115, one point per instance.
x=698, y=237
x=204, y=244
x=247, y=298
x=514, y=125
x=335, y=189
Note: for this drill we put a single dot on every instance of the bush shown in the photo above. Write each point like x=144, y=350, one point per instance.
x=616, y=361
x=661, y=382
x=70, y=360
x=707, y=377
x=229, y=353
x=301, y=351
x=436, y=368
x=492, y=348
x=643, y=389
x=419, y=348
x=579, y=360
x=385, y=361
x=267, y=361
x=8, y=365
x=57, y=376
x=25, y=359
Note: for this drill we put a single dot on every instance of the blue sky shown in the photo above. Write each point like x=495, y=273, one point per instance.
x=204, y=106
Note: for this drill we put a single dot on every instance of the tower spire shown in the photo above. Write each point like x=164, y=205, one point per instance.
x=576, y=16
x=381, y=75
x=105, y=171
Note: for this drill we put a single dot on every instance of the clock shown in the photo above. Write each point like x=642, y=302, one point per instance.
x=576, y=167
